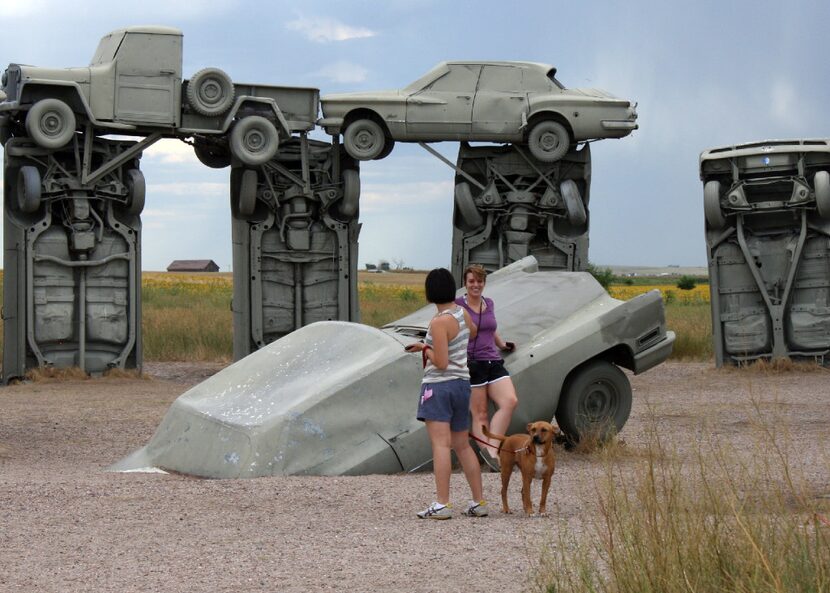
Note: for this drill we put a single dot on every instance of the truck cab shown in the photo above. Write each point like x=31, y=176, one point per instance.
x=136, y=76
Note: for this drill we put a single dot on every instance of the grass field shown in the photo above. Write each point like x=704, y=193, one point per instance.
x=187, y=317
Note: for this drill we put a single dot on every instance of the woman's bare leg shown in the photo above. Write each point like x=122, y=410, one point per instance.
x=469, y=463
x=440, y=438
x=503, y=395
x=478, y=411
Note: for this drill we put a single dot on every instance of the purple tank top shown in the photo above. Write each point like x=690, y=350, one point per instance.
x=483, y=346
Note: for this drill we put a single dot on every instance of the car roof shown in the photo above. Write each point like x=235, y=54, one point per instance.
x=532, y=65
x=156, y=29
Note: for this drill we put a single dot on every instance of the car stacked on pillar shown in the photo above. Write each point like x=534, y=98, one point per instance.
x=295, y=230
x=509, y=205
x=517, y=102
x=767, y=224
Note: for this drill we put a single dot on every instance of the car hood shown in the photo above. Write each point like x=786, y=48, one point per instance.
x=364, y=97
x=53, y=75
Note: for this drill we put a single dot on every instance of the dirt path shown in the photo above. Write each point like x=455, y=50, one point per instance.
x=66, y=525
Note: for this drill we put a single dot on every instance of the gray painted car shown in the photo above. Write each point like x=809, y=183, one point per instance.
x=519, y=102
x=133, y=85
x=767, y=212
x=338, y=398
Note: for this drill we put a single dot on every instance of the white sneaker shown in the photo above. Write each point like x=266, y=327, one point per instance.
x=436, y=511
x=476, y=509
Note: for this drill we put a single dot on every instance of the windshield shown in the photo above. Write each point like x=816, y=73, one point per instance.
x=427, y=78
x=552, y=78
x=107, y=48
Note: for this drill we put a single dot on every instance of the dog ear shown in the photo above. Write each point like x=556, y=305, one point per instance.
x=529, y=426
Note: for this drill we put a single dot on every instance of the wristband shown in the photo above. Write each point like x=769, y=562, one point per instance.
x=424, y=354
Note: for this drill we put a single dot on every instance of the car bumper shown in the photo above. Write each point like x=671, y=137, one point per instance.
x=619, y=125
x=654, y=355
x=332, y=125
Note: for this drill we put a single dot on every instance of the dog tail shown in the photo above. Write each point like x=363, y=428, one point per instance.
x=492, y=435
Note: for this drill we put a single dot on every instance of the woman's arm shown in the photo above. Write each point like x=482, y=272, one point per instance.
x=503, y=345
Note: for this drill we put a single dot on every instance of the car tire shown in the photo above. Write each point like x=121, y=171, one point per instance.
x=50, y=123
x=822, y=190
x=711, y=205
x=548, y=141
x=469, y=216
x=254, y=140
x=136, y=191
x=364, y=140
x=210, y=92
x=28, y=189
x=574, y=205
x=350, y=201
x=211, y=155
x=595, y=402
x=247, y=192
x=5, y=129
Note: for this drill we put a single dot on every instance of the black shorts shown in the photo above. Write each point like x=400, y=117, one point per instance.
x=484, y=372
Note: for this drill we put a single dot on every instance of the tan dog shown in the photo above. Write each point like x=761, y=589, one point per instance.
x=534, y=455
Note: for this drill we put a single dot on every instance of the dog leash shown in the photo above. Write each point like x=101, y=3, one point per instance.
x=483, y=442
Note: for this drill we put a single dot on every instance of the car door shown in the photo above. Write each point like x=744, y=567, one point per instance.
x=148, y=79
x=443, y=110
x=499, y=104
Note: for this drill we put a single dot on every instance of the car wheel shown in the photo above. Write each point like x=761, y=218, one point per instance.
x=28, y=189
x=50, y=123
x=548, y=141
x=711, y=205
x=822, y=189
x=351, y=194
x=5, y=129
x=210, y=92
x=254, y=140
x=136, y=191
x=573, y=202
x=595, y=402
x=364, y=140
x=389, y=144
x=211, y=155
x=247, y=192
x=469, y=215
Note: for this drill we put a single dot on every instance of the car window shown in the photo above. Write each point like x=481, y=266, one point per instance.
x=461, y=77
x=106, y=49
x=501, y=78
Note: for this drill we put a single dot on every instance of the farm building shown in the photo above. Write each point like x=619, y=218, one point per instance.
x=193, y=265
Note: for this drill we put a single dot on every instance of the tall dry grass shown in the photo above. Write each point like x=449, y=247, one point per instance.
x=722, y=520
x=187, y=317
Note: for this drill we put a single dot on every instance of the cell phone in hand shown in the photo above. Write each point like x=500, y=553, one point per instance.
x=510, y=346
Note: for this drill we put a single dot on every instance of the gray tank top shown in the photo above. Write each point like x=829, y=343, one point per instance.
x=457, y=350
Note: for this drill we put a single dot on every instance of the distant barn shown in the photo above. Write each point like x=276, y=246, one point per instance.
x=193, y=265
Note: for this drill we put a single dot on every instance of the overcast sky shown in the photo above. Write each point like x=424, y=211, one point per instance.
x=705, y=73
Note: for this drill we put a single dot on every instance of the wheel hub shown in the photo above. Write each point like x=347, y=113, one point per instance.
x=211, y=92
x=254, y=141
x=365, y=140
x=599, y=402
x=51, y=123
x=549, y=141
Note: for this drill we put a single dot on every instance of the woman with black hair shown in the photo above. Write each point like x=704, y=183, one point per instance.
x=444, y=404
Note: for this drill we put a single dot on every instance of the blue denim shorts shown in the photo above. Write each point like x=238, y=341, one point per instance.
x=447, y=401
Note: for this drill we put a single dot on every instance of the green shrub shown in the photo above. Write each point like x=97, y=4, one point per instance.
x=603, y=275
x=686, y=282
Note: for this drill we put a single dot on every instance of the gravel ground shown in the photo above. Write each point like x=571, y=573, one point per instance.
x=67, y=525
